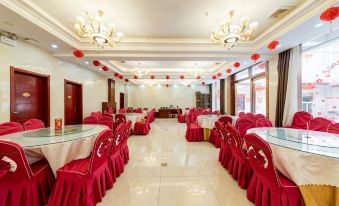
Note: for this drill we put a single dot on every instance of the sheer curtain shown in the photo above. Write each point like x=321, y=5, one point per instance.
x=293, y=92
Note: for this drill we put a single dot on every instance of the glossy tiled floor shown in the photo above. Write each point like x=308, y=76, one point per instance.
x=193, y=175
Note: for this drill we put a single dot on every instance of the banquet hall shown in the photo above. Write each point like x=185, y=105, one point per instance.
x=169, y=103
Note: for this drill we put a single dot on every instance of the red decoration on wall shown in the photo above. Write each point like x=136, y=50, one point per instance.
x=219, y=74
x=228, y=70
x=236, y=64
x=116, y=74
x=105, y=68
x=255, y=57
x=121, y=76
x=78, y=54
x=198, y=77
x=152, y=76
x=126, y=80
x=182, y=77
x=273, y=45
x=167, y=77
x=330, y=14
x=96, y=63
x=214, y=77
x=135, y=77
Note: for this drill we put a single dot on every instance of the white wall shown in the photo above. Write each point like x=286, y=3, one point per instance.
x=161, y=96
x=29, y=57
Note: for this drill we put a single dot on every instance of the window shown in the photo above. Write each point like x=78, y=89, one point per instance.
x=250, y=90
x=320, y=80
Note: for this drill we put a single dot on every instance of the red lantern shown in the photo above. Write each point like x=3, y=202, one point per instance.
x=78, y=54
x=198, y=77
x=182, y=77
x=214, y=77
x=152, y=76
x=255, y=57
x=116, y=74
x=273, y=45
x=236, y=64
x=219, y=74
x=136, y=77
x=96, y=63
x=121, y=77
x=203, y=83
x=228, y=70
x=330, y=14
x=126, y=80
x=105, y=68
x=167, y=77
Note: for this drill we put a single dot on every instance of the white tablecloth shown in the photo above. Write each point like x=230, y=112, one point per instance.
x=208, y=121
x=303, y=163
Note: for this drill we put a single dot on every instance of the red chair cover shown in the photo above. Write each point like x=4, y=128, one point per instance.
x=215, y=136
x=10, y=127
x=26, y=184
x=259, y=116
x=151, y=116
x=239, y=167
x=268, y=186
x=107, y=120
x=122, y=110
x=142, y=127
x=319, y=124
x=334, y=128
x=91, y=120
x=124, y=151
x=243, y=124
x=4, y=168
x=263, y=122
x=129, y=110
x=120, y=116
x=85, y=181
x=242, y=114
x=225, y=153
x=300, y=120
x=250, y=115
x=116, y=161
x=33, y=124
x=194, y=133
x=216, y=112
x=138, y=110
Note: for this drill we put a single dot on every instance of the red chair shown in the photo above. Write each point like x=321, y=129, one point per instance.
x=216, y=112
x=215, y=135
x=194, y=133
x=107, y=120
x=225, y=154
x=120, y=116
x=122, y=110
x=124, y=151
x=300, y=120
x=142, y=127
x=242, y=114
x=138, y=110
x=243, y=124
x=129, y=110
x=259, y=116
x=10, y=127
x=268, y=186
x=27, y=184
x=250, y=115
x=85, y=181
x=181, y=117
x=319, y=124
x=239, y=166
x=34, y=124
x=151, y=116
x=91, y=120
x=263, y=122
x=334, y=128
x=116, y=161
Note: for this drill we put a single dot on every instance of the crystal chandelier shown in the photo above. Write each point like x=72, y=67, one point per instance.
x=229, y=34
x=196, y=72
x=139, y=72
x=93, y=28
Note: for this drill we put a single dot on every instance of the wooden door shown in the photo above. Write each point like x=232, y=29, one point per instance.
x=122, y=100
x=73, y=103
x=29, y=96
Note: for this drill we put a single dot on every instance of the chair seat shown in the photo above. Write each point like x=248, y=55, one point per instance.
x=194, y=126
x=76, y=166
x=39, y=166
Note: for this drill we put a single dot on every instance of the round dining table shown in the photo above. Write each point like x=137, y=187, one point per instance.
x=59, y=147
x=308, y=158
x=207, y=122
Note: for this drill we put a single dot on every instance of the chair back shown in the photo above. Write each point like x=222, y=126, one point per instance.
x=263, y=122
x=101, y=149
x=300, y=120
x=319, y=124
x=119, y=119
x=244, y=124
x=235, y=142
x=259, y=116
x=106, y=120
x=122, y=110
x=334, y=128
x=10, y=127
x=138, y=110
x=118, y=137
x=216, y=112
x=110, y=110
x=250, y=115
x=120, y=116
x=129, y=110
x=128, y=128
x=219, y=127
x=225, y=120
x=15, y=155
x=90, y=120
x=242, y=114
x=260, y=157
x=34, y=124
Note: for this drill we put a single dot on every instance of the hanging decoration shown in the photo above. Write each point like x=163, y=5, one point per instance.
x=330, y=14
x=116, y=74
x=126, y=80
x=105, y=68
x=228, y=70
x=135, y=77
x=121, y=76
x=182, y=77
x=152, y=77
x=203, y=83
x=236, y=64
x=167, y=77
x=255, y=57
x=273, y=45
x=199, y=77
x=78, y=54
x=219, y=74
x=96, y=63
x=214, y=77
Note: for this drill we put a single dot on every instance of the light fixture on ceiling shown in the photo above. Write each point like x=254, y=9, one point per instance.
x=139, y=71
x=54, y=46
x=229, y=34
x=86, y=62
x=196, y=71
x=94, y=29
x=319, y=25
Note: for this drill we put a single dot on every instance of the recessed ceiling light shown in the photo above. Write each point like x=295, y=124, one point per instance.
x=319, y=25
x=86, y=62
x=54, y=46
x=100, y=69
x=279, y=46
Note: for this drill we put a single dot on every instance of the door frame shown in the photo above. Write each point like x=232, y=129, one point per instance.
x=81, y=97
x=13, y=70
x=121, y=93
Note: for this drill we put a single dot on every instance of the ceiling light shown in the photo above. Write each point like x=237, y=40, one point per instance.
x=229, y=34
x=86, y=62
x=54, y=46
x=319, y=25
x=279, y=46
